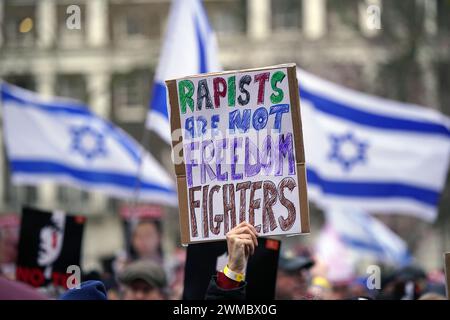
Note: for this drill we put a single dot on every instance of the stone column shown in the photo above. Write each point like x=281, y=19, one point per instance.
x=258, y=19
x=46, y=23
x=98, y=86
x=314, y=18
x=97, y=22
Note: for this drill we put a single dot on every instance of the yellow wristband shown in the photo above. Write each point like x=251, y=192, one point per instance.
x=233, y=275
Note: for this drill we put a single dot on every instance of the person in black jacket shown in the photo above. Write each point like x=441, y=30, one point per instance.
x=229, y=284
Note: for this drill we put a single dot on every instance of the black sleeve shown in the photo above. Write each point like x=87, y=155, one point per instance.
x=216, y=293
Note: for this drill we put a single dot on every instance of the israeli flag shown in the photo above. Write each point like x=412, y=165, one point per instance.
x=356, y=235
x=61, y=141
x=189, y=48
x=371, y=153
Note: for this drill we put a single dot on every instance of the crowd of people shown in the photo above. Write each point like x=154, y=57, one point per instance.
x=144, y=272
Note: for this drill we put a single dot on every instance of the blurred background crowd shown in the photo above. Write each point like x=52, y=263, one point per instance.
x=110, y=62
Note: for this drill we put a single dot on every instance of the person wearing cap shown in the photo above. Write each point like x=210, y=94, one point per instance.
x=143, y=280
x=293, y=278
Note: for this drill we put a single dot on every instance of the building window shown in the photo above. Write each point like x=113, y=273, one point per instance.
x=23, y=81
x=137, y=22
x=286, y=14
x=443, y=16
x=227, y=17
x=72, y=86
x=16, y=196
x=29, y=195
x=402, y=22
x=70, y=38
x=19, y=24
x=72, y=198
x=401, y=79
x=19, y=195
x=343, y=16
x=443, y=72
x=130, y=95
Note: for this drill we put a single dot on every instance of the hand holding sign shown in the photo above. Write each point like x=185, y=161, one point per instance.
x=241, y=242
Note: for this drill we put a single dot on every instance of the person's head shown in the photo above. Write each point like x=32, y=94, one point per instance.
x=146, y=239
x=143, y=280
x=51, y=239
x=285, y=286
x=295, y=272
x=407, y=283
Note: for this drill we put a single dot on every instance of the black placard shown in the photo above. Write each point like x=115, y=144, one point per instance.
x=49, y=243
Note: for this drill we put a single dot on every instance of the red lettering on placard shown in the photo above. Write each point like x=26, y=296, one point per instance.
x=32, y=276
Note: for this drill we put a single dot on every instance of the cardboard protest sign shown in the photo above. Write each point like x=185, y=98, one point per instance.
x=49, y=242
x=238, y=152
x=203, y=260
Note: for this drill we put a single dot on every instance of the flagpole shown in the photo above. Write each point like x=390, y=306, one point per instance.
x=137, y=187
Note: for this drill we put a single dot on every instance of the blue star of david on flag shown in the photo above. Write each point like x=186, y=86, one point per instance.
x=347, y=150
x=88, y=142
